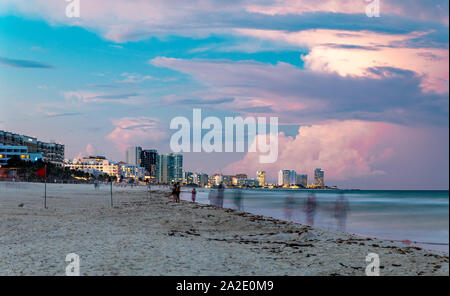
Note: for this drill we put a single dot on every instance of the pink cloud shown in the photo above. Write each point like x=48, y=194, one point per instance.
x=130, y=131
x=90, y=149
x=299, y=7
x=409, y=8
x=344, y=149
x=351, y=53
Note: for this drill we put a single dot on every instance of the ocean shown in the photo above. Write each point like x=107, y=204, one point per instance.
x=421, y=217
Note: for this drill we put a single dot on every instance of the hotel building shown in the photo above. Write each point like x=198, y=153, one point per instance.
x=51, y=152
x=302, y=180
x=319, y=178
x=133, y=156
x=261, y=177
x=284, y=178
x=149, y=161
x=170, y=168
x=8, y=151
x=94, y=165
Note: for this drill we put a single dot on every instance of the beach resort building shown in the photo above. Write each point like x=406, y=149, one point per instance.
x=50, y=151
x=8, y=151
x=129, y=171
x=94, y=165
x=261, y=177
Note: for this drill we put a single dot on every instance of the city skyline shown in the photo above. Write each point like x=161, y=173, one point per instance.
x=363, y=98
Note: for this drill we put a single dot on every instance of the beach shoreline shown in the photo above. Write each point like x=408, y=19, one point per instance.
x=146, y=234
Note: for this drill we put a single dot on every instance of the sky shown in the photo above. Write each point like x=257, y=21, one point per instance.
x=364, y=98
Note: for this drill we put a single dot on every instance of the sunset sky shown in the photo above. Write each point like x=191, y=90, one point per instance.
x=365, y=99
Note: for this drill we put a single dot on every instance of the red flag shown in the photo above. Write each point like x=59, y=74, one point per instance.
x=42, y=172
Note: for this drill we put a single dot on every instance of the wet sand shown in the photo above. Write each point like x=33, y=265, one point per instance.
x=146, y=234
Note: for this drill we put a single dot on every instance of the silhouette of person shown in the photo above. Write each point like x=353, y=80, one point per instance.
x=310, y=208
x=289, y=204
x=212, y=197
x=220, y=193
x=341, y=209
x=237, y=199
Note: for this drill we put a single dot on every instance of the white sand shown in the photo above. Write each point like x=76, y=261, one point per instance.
x=146, y=235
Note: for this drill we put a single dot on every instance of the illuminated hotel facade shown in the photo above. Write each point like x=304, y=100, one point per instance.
x=93, y=164
x=261, y=177
x=8, y=151
x=51, y=152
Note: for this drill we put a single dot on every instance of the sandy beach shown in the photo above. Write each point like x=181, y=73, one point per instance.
x=145, y=234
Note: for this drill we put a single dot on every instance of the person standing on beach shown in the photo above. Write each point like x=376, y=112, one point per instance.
x=174, y=192
x=194, y=193
x=177, y=192
x=220, y=194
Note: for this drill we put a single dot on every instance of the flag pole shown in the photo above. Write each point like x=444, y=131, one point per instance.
x=45, y=186
x=110, y=182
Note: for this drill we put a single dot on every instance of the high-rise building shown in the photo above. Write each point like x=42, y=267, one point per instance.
x=284, y=177
x=319, y=178
x=261, y=177
x=218, y=179
x=170, y=168
x=133, y=156
x=302, y=180
x=162, y=169
x=149, y=160
x=202, y=180
x=227, y=180
x=292, y=177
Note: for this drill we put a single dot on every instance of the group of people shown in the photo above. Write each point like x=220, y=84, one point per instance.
x=176, y=191
x=341, y=209
x=216, y=198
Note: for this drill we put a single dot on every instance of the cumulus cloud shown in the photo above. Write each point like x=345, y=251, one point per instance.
x=90, y=149
x=131, y=131
x=382, y=154
x=344, y=149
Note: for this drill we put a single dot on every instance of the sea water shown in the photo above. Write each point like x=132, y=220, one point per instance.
x=418, y=216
